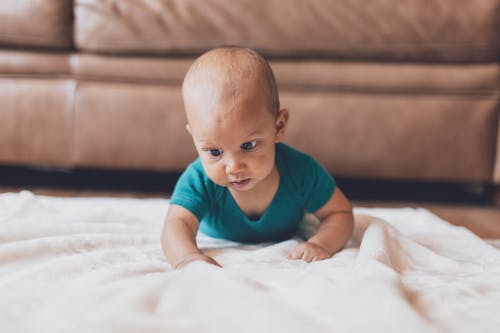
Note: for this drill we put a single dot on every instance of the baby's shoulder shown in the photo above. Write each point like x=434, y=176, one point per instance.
x=295, y=166
x=300, y=168
x=294, y=160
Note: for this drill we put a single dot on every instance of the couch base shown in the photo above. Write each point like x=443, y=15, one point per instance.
x=484, y=221
x=466, y=205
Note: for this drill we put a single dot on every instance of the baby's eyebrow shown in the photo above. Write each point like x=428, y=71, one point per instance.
x=204, y=142
x=253, y=133
x=201, y=139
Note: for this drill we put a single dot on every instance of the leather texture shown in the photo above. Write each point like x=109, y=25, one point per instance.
x=308, y=75
x=161, y=70
x=36, y=121
x=436, y=30
x=304, y=75
x=419, y=137
x=22, y=63
x=36, y=23
x=131, y=126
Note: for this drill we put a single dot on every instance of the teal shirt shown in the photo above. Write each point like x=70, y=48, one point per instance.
x=304, y=186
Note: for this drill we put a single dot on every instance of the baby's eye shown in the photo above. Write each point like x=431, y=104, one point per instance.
x=249, y=145
x=215, y=152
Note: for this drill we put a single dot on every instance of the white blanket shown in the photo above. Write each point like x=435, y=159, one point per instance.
x=96, y=265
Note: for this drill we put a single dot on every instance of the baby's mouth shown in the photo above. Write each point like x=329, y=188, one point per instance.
x=240, y=183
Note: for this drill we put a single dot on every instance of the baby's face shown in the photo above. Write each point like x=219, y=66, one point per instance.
x=236, y=138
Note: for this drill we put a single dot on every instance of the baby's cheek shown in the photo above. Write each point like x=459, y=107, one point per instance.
x=266, y=163
x=216, y=174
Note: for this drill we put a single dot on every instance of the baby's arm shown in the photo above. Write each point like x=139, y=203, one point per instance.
x=334, y=232
x=178, y=238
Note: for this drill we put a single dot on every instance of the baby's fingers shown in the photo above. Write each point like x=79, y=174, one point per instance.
x=296, y=253
x=310, y=256
x=195, y=257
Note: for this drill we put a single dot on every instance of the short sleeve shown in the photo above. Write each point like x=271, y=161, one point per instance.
x=192, y=191
x=317, y=185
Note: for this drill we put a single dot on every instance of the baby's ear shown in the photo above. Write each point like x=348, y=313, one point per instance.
x=188, y=129
x=281, y=124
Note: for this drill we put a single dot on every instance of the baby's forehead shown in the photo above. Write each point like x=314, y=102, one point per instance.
x=219, y=107
x=221, y=79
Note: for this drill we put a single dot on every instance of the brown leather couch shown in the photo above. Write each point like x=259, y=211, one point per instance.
x=379, y=89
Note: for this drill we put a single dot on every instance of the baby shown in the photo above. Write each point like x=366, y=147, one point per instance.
x=246, y=185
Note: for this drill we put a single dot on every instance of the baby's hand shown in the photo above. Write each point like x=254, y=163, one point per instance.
x=195, y=257
x=308, y=252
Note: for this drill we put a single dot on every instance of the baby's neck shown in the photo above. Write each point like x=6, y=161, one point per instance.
x=255, y=201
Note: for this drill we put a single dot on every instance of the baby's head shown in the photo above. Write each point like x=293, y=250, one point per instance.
x=232, y=106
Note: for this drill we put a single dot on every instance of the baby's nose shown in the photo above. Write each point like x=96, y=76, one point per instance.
x=234, y=165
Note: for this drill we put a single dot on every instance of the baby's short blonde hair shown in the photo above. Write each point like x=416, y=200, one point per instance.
x=228, y=67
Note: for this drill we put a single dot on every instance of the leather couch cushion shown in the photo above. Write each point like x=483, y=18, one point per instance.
x=406, y=136
x=163, y=70
x=131, y=126
x=305, y=75
x=413, y=136
x=36, y=121
x=444, y=30
x=36, y=23
x=22, y=63
x=318, y=75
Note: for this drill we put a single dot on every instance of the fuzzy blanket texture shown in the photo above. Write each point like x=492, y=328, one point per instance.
x=96, y=265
